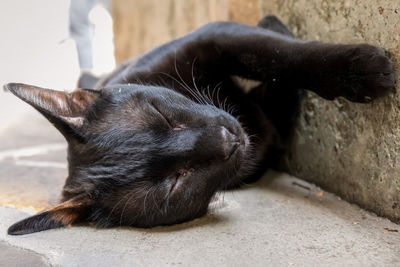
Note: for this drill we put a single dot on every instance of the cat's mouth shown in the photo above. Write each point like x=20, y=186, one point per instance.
x=234, y=141
x=235, y=147
x=240, y=144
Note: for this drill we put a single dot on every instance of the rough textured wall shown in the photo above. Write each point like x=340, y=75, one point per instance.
x=350, y=149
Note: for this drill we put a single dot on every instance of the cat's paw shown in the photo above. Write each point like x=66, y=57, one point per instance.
x=369, y=74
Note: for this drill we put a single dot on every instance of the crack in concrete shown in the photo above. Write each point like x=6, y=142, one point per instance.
x=41, y=164
x=31, y=151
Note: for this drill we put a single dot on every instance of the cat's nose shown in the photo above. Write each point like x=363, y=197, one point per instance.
x=230, y=142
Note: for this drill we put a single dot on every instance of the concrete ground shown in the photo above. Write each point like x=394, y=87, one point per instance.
x=279, y=221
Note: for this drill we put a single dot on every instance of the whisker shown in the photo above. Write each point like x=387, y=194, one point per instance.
x=193, y=80
x=182, y=85
x=115, y=206
x=154, y=201
x=144, y=202
x=224, y=103
x=126, y=204
x=217, y=93
x=200, y=92
x=177, y=72
x=197, y=97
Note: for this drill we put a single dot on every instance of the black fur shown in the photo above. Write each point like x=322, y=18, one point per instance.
x=163, y=133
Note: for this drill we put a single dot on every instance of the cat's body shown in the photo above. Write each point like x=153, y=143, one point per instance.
x=166, y=131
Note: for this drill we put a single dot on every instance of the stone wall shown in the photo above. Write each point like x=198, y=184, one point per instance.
x=350, y=149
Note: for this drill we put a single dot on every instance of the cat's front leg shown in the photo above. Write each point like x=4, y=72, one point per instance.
x=357, y=72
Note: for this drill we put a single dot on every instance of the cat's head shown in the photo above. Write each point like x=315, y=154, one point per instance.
x=138, y=155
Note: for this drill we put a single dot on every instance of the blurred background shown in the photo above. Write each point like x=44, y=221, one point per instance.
x=37, y=48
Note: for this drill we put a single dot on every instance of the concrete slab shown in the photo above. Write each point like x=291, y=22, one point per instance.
x=16, y=257
x=280, y=221
x=32, y=162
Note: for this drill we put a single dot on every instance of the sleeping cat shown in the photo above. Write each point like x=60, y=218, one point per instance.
x=152, y=142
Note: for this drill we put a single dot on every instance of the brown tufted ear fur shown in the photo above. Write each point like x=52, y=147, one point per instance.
x=69, y=212
x=65, y=110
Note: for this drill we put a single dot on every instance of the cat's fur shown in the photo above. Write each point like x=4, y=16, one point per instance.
x=168, y=130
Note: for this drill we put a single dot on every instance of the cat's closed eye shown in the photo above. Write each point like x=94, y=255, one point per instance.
x=169, y=121
x=180, y=175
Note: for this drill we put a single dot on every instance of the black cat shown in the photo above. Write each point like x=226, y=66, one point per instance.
x=166, y=131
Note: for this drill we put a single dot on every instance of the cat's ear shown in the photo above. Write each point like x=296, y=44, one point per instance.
x=67, y=213
x=66, y=110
